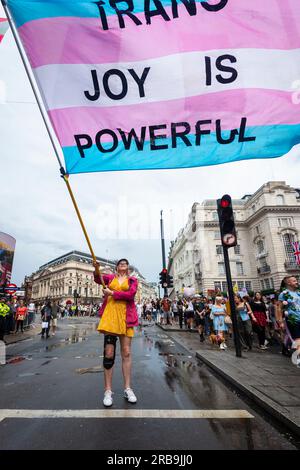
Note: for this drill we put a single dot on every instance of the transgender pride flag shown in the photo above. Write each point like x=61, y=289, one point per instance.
x=148, y=84
x=3, y=27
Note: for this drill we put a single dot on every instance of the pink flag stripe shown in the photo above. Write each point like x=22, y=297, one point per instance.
x=243, y=24
x=274, y=107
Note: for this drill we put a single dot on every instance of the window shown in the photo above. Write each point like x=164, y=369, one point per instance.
x=288, y=239
x=267, y=283
x=263, y=261
x=272, y=283
x=218, y=285
x=237, y=250
x=219, y=249
x=285, y=222
x=239, y=269
x=248, y=285
x=240, y=285
x=224, y=287
x=217, y=235
x=79, y=290
x=260, y=247
x=215, y=216
x=280, y=200
x=221, y=267
x=257, y=229
x=262, y=284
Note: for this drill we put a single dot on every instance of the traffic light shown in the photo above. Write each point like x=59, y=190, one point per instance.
x=170, y=281
x=163, y=278
x=226, y=221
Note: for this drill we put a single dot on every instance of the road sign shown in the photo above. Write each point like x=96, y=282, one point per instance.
x=11, y=289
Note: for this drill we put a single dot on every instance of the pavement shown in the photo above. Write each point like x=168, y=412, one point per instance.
x=267, y=378
x=53, y=391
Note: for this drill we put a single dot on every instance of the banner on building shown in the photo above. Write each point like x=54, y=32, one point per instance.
x=7, y=250
x=148, y=84
x=296, y=250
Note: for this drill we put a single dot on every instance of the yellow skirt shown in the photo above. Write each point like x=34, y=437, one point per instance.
x=113, y=320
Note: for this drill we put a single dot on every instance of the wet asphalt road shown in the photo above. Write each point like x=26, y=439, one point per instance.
x=65, y=373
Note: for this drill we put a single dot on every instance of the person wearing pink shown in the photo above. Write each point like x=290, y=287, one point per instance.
x=21, y=314
x=118, y=319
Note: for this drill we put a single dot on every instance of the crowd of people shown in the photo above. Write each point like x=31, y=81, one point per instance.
x=265, y=320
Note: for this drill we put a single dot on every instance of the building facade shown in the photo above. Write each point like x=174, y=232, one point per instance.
x=72, y=273
x=267, y=223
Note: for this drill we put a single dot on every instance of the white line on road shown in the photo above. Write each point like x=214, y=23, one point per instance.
x=133, y=413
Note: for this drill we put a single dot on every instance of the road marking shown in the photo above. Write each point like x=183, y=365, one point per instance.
x=132, y=413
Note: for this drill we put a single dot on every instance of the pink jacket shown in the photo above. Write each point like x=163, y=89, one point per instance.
x=131, y=313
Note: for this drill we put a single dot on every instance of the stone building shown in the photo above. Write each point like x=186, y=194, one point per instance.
x=59, y=278
x=267, y=223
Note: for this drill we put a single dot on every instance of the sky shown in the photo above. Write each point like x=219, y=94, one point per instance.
x=121, y=210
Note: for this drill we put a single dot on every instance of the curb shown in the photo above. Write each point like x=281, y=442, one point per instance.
x=255, y=396
x=177, y=330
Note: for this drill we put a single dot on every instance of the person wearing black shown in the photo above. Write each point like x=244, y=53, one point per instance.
x=259, y=310
x=180, y=312
x=199, y=308
x=46, y=313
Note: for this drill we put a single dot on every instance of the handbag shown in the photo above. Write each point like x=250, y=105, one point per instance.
x=227, y=320
x=20, y=317
x=45, y=324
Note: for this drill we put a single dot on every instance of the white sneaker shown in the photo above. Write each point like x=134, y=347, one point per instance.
x=107, y=400
x=263, y=347
x=224, y=345
x=129, y=395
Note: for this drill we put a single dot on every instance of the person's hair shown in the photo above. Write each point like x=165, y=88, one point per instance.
x=123, y=260
x=238, y=297
x=283, y=284
x=255, y=294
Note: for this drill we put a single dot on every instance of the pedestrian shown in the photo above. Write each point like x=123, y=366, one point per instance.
x=190, y=314
x=243, y=314
x=289, y=301
x=259, y=310
x=199, y=309
x=21, y=314
x=180, y=312
x=166, y=310
x=46, y=314
x=118, y=319
x=54, y=315
x=4, y=313
x=175, y=310
x=218, y=313
x=148, y=310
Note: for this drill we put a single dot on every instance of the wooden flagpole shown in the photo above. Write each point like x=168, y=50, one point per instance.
x=40, y=104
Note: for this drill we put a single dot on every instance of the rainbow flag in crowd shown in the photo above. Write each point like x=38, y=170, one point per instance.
x=148, y=84
x=3, y=27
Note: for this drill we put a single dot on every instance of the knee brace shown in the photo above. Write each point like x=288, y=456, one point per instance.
x=108, y=362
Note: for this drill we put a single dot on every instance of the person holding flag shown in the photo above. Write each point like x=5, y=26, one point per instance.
x=118, y=319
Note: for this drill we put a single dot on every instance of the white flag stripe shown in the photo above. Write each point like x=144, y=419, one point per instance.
x=3, y=27
x=173, y=77
x=131, y=413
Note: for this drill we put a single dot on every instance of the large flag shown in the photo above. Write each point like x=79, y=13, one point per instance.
x=147, y=84
x=3, y=27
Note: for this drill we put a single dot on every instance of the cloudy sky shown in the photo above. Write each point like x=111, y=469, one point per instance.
x=121, y=209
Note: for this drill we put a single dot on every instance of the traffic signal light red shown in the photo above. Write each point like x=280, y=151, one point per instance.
x=226, y=220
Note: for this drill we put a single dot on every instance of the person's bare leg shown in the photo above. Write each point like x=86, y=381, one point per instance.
x=108, y=373
x=126, y=359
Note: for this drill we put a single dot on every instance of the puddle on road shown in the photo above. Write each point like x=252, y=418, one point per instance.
x=86, y=370
x=28, y=374
x=75, y=338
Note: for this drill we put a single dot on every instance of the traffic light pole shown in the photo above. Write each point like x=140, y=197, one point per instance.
x=236, y=335
x=163, y=250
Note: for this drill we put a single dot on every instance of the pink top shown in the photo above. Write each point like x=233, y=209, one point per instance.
x=128, y=296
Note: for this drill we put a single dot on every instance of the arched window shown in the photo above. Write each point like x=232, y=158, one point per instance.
x=280, y=200
x=260, y=247
x=288, y=239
